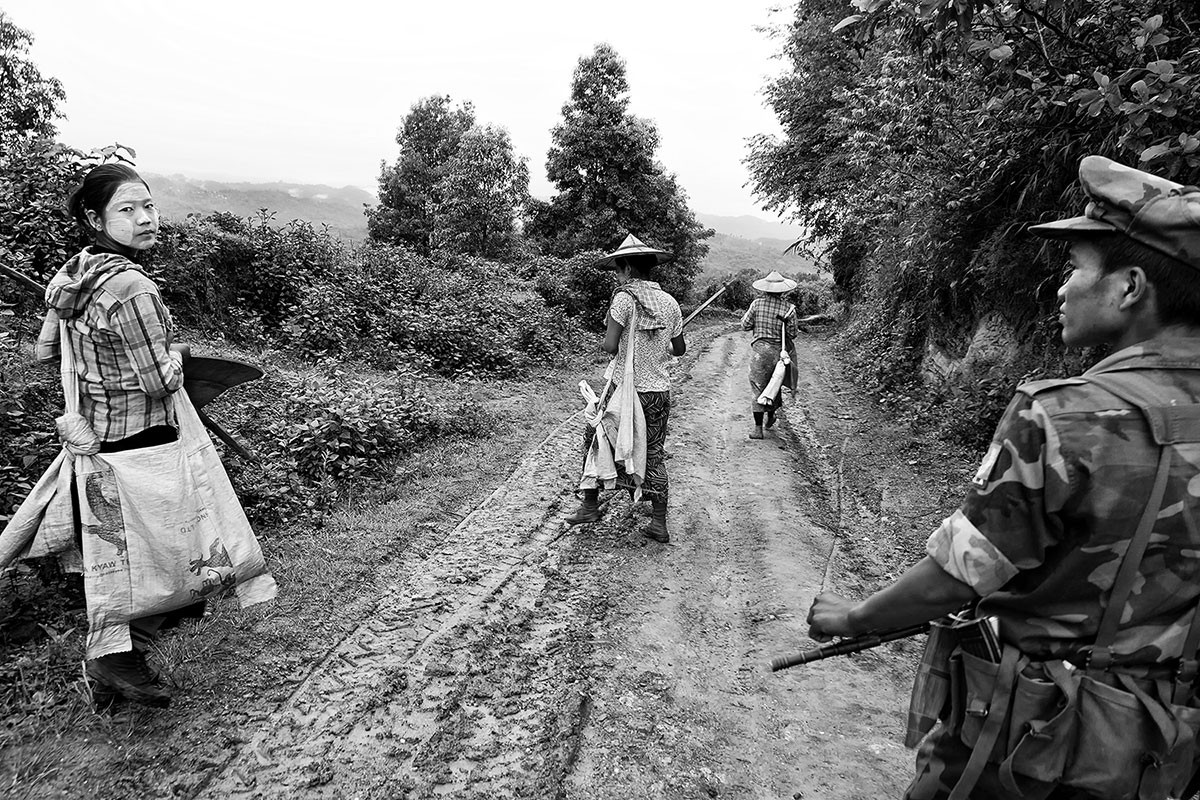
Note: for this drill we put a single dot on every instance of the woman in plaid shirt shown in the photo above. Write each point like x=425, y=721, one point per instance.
x=125, y=361
x=773, y=320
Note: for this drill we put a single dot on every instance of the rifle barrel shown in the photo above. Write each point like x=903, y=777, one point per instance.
x=844, y=647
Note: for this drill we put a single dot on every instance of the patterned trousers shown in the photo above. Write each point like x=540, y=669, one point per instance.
x=656, y=407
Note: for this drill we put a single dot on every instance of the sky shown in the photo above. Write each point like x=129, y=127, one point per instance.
x=308, y=92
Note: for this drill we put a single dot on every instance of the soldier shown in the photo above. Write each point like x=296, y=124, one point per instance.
x=1078, y=535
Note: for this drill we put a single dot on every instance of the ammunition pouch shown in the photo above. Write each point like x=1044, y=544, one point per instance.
x=1114, y=736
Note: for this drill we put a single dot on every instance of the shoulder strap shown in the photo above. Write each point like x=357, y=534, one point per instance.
x=66, y=370
x=1169, y=425
x=994, y=724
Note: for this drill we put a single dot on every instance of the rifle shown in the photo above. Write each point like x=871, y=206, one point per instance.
x=854, y=644
x=705, y=304
x=203, y=378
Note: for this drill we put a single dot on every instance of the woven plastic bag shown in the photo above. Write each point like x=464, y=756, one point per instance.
x=162, y=529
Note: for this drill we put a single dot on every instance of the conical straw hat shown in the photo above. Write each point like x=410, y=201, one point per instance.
x=775, y=284
x=632, y=246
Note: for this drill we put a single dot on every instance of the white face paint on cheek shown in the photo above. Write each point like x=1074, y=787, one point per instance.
x=120, y=231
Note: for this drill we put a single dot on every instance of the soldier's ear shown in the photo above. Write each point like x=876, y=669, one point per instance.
x=1135, y=287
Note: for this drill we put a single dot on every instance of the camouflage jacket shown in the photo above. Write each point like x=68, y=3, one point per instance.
x=1060, y=492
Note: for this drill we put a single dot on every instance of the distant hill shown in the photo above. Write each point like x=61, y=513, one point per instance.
x=340, y=209
x=751, y=242
x=748, y=227
x=728, y=254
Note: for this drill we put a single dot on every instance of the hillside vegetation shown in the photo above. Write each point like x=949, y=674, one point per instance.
x=731, y=254
x=920, y=143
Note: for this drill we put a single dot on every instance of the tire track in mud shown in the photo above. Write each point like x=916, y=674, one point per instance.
x=513, y=660
x=467, y=679
x=403, y=703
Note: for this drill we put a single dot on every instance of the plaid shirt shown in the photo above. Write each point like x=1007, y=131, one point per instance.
x=763, y=317
x=120, y=340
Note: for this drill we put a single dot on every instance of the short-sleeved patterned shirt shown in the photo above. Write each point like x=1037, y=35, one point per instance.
x=659, y=321
x=1059, y=495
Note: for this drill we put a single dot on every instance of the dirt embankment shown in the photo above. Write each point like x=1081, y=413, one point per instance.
x=509, y=655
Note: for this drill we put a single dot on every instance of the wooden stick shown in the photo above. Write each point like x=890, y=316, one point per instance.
x=705, y=304
x=24, y=280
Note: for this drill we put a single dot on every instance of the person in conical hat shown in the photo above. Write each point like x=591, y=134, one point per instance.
x=657, y=337
x=772, y=318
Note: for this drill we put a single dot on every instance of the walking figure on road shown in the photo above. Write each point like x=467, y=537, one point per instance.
x=641, y=352
x=772, y=318
x=1078, y=538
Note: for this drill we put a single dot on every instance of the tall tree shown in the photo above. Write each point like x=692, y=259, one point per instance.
x=35, y=171
x=409, y=190
x=602, y=162
x=483, y=192
x=28, y=101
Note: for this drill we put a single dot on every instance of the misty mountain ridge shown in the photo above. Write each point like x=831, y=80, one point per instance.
x=341, y=209
x=742, y=242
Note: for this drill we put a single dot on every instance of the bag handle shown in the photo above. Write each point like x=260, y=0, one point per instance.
x=66, y=370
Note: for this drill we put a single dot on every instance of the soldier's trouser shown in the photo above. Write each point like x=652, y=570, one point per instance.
x=941, y=759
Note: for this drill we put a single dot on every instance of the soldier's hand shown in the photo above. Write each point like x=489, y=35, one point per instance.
x=829, y=617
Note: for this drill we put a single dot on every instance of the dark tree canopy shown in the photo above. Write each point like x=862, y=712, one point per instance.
x=485, y=189
x=602, y=162
x=921, y=139
x=28, y=101
x=410, y=190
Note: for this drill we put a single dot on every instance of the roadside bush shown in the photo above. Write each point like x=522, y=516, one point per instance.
x=452, y=316
x=212, y=267
x=574, y=285
x=30, y=399
x=351, y=429
x=318, y=433
x=324, y=322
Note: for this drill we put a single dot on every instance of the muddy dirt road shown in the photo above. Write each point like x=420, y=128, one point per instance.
x=455, y=638
x=518, y=657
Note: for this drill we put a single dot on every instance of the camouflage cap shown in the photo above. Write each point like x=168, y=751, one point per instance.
x=1153, y=211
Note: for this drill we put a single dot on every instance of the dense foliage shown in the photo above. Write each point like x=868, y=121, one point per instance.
x=920, y=139
x=457, y=186
x=28, y=100
x=486, y=188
